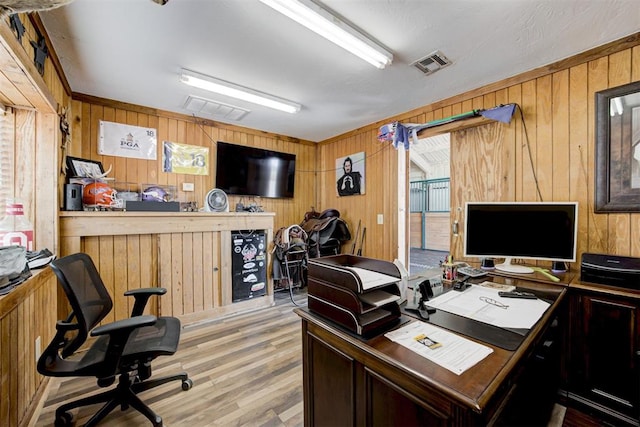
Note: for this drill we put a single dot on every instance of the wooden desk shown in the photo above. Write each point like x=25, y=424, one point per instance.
x=604, y=378
x=349, y=381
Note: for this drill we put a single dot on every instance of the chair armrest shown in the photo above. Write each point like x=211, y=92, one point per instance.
x=142, y=296
x=124, y=325
x=60, y=341
x=151, y=291
x=64, y=327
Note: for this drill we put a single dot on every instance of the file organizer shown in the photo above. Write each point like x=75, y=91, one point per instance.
x=339, y=293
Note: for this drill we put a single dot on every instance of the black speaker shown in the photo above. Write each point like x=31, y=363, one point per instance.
x=73, y=197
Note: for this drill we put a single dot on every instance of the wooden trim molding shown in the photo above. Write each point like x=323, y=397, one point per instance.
x=85, y=223
x=14, y=298
x=454, y=126
x=27, y=80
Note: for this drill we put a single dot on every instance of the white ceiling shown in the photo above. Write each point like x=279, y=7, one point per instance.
x=132, y=51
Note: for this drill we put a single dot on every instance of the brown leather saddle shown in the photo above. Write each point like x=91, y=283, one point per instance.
x=326, y=232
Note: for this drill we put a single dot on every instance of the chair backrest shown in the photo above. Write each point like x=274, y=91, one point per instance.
x=85, y=290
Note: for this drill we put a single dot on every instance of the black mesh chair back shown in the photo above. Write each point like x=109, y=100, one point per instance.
x=85, y=290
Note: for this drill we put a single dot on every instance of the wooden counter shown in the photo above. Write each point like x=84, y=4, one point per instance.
x=353, y=381
x=87, y=223
x=189, y=253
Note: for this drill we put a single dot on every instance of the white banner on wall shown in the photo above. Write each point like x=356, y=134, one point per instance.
x=117, y=139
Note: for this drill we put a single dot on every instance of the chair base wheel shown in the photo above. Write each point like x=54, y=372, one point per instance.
x=187, y=384
x=63, y=420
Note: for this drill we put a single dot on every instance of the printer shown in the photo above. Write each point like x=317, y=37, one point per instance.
x=612, y=270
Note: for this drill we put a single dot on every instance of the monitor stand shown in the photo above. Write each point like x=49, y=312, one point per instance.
x=559, y=267
x=507, y=267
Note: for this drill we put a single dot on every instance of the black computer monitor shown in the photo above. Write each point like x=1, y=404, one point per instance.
x=544, y=231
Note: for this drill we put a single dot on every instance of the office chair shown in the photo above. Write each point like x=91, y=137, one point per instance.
x=123, y=349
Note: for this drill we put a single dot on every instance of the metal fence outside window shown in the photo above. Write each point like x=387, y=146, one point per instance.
x=431, y=195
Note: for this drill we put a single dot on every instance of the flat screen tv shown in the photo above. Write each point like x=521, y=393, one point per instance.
x=250, y=171
x=535, y=231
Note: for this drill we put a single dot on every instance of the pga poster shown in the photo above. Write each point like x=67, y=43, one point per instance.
x=117, y=139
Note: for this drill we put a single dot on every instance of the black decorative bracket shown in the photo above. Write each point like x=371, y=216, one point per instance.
x=16, y=26
x=40, y=54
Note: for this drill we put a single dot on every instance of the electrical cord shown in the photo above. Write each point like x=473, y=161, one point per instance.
x=533, y=169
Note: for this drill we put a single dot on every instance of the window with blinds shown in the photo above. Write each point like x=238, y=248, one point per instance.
x=7, y=156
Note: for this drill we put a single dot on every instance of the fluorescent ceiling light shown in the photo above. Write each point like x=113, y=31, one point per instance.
x=222, y=87
x=319, y=20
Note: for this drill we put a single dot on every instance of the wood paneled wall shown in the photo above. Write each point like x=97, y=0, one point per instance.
x=33, y=100
x=195, y=286
x=25, y=315
x=381, y=182
x=492, y=161
x=88, y=111
x=29, y=311
x=136, y=263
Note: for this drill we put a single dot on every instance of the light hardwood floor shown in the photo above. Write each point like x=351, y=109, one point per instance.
x=246, y=371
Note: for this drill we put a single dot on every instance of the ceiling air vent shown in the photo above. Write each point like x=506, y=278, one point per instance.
x=432, y=62
x=216, y=109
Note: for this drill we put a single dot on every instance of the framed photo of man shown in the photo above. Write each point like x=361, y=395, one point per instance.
x=350, y=174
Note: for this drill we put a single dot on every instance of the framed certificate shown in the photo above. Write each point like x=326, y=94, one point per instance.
x=84, y=168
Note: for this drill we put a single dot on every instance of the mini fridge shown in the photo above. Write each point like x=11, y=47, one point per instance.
x=248, y=264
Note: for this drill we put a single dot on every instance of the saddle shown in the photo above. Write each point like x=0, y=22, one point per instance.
x=286, y=239
x=326, y=232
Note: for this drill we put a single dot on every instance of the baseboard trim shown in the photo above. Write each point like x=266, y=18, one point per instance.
x=37, y=403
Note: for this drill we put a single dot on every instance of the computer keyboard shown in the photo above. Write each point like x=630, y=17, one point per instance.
x=471, y=271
